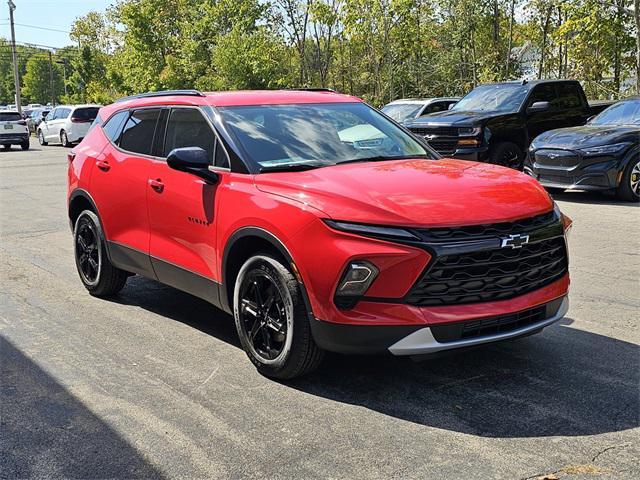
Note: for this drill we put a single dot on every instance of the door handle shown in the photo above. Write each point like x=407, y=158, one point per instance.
x=103, y=165
x=157, y=185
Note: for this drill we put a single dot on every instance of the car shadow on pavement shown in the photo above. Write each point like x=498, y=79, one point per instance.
x=563, y=381
x=46, y=432
x=592, y=197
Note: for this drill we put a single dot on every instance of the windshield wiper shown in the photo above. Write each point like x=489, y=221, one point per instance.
x=380, y=158
x=295, y=167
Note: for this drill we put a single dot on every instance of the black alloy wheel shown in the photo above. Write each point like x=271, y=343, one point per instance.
x=263, y=318
x=88, y=251
x=507, y=154
x=272, y=319
x=99, y=276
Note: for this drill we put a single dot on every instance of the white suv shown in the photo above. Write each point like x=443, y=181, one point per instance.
x=13, y=130
x=66, y=124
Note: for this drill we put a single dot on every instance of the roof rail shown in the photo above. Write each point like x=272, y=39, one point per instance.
x=313, y=89
x=163, y=93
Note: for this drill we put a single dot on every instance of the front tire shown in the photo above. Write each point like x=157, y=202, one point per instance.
x=272, y=320
x=97, y=273
x=507, y=154
x=41, y=139
x=630, y=183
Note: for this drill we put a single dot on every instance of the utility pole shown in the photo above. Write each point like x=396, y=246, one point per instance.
x=64, y=74
x=53, y=92
x=16, y=76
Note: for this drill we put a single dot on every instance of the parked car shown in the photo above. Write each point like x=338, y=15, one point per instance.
x=254, y=202
x=13, y=130
x=66, y=124
x=408, y=109
x=36, y=116
x=495, y=123
x=602, y=155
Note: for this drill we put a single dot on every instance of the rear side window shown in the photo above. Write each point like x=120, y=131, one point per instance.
x=137, y=134
x=113, y=127
x=10, y=117
x=570, y=95
x=62, y=113
x=87, y=114
x=188, y=128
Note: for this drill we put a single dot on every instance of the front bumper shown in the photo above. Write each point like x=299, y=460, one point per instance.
x=402, y=340
x=568, y=169
x=13, y=138
x=478, y=154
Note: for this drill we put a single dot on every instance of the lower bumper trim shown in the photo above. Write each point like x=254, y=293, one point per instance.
x=422, y=341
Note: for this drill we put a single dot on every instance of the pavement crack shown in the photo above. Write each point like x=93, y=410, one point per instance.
x=607, y=449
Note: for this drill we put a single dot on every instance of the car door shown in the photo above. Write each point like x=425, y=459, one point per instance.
x=541, y=121
x=44, y=125
x=182, y=207
x=119, y=186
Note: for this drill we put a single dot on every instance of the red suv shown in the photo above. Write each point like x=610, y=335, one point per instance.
x=315, y=220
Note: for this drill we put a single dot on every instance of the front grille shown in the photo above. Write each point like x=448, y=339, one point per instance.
x=443, y=146
x=490, y=275
x=442, y=131
x=487, y=230
x=484, y=327
x=556, y=158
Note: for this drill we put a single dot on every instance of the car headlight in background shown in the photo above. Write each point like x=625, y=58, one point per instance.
x=469, y=131
x=605, y=149
x=375, y=231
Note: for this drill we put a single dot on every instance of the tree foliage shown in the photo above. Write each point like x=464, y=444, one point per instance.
x=377, y=49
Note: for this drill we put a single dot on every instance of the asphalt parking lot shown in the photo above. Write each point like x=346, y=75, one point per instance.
x=153, y=383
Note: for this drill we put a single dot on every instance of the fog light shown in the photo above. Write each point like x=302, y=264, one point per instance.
x=356, y=279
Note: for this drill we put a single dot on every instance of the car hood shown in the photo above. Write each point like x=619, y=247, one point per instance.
x=455, y=117
x=586, y=136
x=413, y=192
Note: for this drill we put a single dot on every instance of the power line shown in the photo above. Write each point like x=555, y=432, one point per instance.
x=41, y=28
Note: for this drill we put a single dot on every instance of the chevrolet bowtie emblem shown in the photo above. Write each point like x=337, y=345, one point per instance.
x=515, y=241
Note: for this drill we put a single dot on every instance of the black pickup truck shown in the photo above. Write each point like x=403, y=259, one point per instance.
x=495, y=123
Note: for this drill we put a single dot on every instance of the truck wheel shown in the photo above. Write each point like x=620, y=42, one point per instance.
x=41, y=139
x=97, y=273
x=272, y=320
x=630, y=183
x=507, y=154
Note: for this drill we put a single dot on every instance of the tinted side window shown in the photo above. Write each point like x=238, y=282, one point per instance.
x=570, y=95
x=63, y=113
x=543, y=93
x=138, y=131
x=113, y=127
x=221, y=159
x=188, y=128
x=52, y=115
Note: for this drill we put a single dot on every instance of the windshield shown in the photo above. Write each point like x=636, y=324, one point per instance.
x=401, y=112
x=621, y=113
x=494, y=98
x=317, y=135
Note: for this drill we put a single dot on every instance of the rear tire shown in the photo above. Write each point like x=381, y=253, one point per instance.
x=25, y=145
x=41, y=139
x=272, y=320
x=507, y=154
x=630, y=182
x=64, y=140
x=6, y=146
x=97, y=273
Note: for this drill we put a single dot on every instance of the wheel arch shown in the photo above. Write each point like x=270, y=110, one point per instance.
x=80, y=200
x=245, y=243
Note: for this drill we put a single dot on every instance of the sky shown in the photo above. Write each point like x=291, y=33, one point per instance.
x=33, y=16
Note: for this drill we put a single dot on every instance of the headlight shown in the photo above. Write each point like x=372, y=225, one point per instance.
x=567, y=223
x=469, y=131
x=372, y=230
x=605, y=149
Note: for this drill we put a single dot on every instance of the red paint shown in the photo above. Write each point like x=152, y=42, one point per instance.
x=177, y=217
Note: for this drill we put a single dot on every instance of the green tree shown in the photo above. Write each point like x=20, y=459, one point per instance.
x=37, y=87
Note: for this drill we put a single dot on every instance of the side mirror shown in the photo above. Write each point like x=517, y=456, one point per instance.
x=538, y=107
x=450, y=106
x=193, y=160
